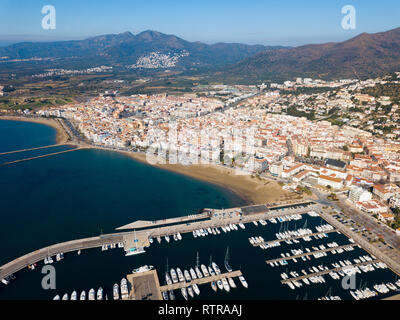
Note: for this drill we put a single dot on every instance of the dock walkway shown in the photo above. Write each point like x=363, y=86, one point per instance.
x=305, y=254
x=204, y=280
x=321, y=273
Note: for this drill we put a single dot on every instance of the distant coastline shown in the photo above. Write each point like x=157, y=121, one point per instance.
x=250, y=189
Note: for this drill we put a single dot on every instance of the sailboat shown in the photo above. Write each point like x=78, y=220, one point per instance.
x=136, y=250
x=227, y=266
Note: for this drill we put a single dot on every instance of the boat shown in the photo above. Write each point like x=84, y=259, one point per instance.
x=220, y=285
x=198, y=272
x=136, y=250
x=184, y=293
x=159, y=239
x=205, y=271
x=5, y=281
x=242, y=226
x=100, y=294
x=227, y=266
x=74, y=296
x=174, y=276
x=216, y=268
x=187, y=276
x=211, y=271
x=214, y=286
x=180, y=275
x=226, y=285
x=243, y=281
x=79, y=252
x=116, y=292
x=124, y=288
x=179, y=236
x=92, y=294
x=231, y=283
x=57, y=297
x=65, y=297
x=255, y=223
x=165, y=295
x=167, y=238
x=142, y=269
x=196, y=289
x=190, y=291
x=176, y=239
x=171, y=295
x=168, y=279
x=193, y=274
x=83, y=295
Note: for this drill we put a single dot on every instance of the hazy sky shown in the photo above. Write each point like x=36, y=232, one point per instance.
x=285, y=22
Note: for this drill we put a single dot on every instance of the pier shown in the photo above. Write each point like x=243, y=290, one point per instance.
x=305, y=254
x=146, y=285
x=38, y=157
x=321, y=273
x=293, y=238
x=204, y=280
x=31, y=149
x=140, y=238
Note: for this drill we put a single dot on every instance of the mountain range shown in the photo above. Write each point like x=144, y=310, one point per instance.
x=364, y=56
x=127, y=48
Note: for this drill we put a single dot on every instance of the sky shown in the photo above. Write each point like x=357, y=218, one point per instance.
x=268, y=22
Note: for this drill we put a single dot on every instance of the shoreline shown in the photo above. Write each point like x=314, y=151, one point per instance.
x=62, y=136
x=251, y=190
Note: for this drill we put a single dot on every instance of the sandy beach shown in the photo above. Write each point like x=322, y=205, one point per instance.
x=62, y=136
x=251, y=189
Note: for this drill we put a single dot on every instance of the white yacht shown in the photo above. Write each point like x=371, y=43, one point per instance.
x=193, y=274
x=243, y=281
x=226, y=285
x=198, y=272
x=187, y=276
x=124, y=288
x=184, y=293
x=65, y=297
x=92, y=294
x=168, y=279
x=232, y=283
x=174, y=276
x=100, y=294
x=214, y=286
x=57, y=297
x=74, y=296
x=190, y=291
x=83, y=295
x=216, y=268
x=180, y=275
x=196, y=288
x=142, y=269
x=205, y=271
x=116, y=292
x=167, y=238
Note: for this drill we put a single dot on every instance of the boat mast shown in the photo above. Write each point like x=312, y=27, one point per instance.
x=227, y=254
